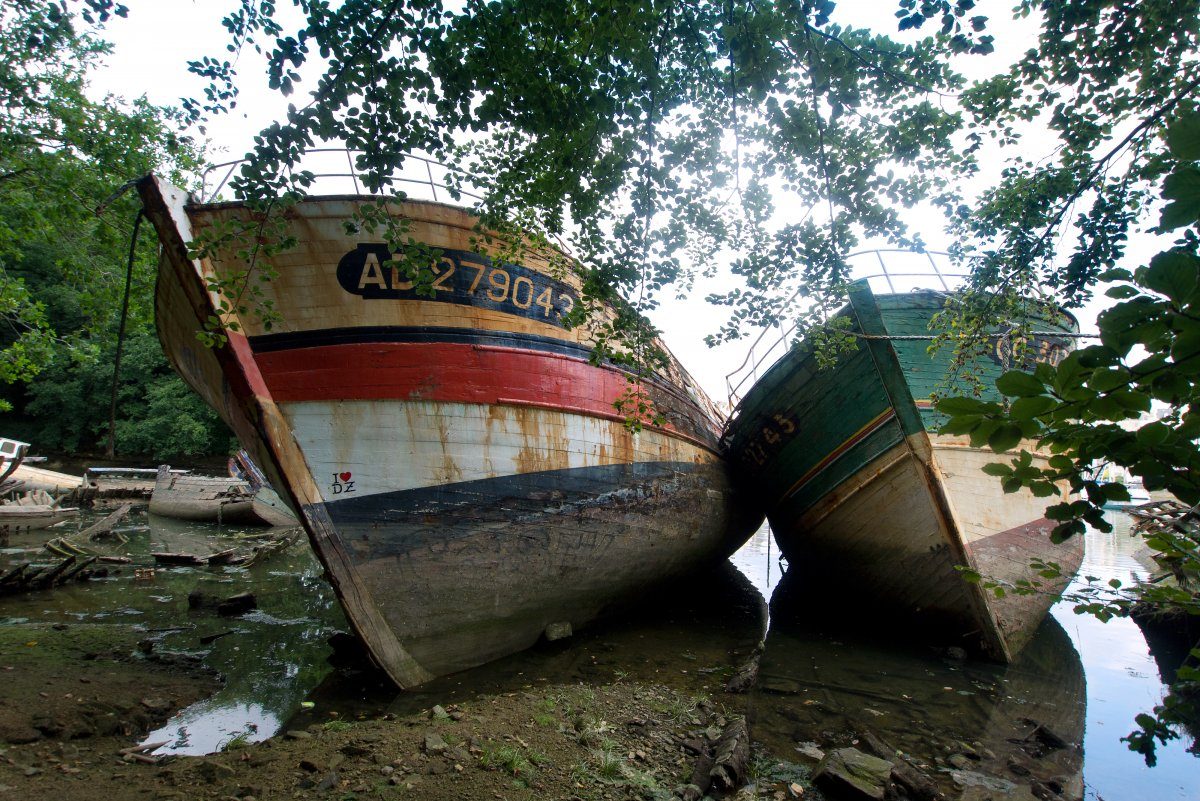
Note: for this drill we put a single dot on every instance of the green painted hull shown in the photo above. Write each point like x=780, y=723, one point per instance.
x=842, y=462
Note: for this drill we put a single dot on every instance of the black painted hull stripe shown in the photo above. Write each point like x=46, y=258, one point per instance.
x=503, y=497
x=267, y=343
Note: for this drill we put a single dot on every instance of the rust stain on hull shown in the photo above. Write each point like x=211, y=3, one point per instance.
x=460, y=470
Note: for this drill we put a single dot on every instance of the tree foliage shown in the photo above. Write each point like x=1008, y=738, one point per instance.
x=653, y=135
x=63, y=238
x=66, y=408
x=1148, y=357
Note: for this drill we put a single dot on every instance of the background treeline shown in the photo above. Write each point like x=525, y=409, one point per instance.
x=64, y=247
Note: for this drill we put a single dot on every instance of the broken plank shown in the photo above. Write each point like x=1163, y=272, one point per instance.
x=106, y=526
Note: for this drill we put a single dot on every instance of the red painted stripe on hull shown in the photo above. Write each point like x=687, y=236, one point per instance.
x=448, y=372
x=250, y=370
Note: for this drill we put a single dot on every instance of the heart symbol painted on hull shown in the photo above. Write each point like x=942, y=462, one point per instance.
x=344, y=476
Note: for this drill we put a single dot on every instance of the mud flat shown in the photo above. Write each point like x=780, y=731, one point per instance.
x=73, y=696
x=589, y=742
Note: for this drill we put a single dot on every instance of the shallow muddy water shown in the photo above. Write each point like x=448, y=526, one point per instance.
x=821, y=682
x=270, y=658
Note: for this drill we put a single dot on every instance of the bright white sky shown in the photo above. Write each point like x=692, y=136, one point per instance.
x=153, y=46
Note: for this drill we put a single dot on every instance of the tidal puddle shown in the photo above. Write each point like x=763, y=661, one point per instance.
x=1054, y=717
x=269, y=658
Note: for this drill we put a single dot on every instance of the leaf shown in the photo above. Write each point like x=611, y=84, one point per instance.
x=997, y=469
x=963, y=424
x=1183, y=137
x=1005, y=437
x=1043, y=489
x=1017, y=382
x=1118, y=328
x=1115, y=491
x=1173, y=273
x=1154, y=434
x=982, y=432
x=1104, y=380
x=1185, y=351
x=957, y=406
x=1183, y=187
x=1031, y=407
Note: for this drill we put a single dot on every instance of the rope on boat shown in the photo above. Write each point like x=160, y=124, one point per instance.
x=112, y=407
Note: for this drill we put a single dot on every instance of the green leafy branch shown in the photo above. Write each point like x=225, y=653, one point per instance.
x=1093, y=410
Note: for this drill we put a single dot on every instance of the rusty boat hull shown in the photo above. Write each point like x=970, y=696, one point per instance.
x=456, y=460
x=866, y=495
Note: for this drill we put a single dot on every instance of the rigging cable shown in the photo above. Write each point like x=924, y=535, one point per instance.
x=112, y=408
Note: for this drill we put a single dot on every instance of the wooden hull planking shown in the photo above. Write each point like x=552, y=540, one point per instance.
x=217, y=500
x=14, y=517
x=855, y=483
x=457, y=462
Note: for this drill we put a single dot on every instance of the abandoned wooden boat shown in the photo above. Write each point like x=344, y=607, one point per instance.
x=456, y=459
x=33, y=510
x=213, y=499
x=861, y=488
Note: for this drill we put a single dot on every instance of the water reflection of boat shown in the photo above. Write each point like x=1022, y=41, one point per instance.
x=859, y=485
x=453, y=453
x=828, y=678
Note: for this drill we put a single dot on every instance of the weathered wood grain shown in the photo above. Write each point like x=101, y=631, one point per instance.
x=458, y=462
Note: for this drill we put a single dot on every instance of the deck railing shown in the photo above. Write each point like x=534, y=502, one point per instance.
x=931, y=267
x=425, y=176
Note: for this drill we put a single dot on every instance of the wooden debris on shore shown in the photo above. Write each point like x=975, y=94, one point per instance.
x=746, y=674
x=141, y=753
x=61, y=546
x=732, y=759
x=26, y=577
x=260, y=552
x=1160, y=516
x=167, y=558
x=229, y=556
x=37, y=497
x=105, y=486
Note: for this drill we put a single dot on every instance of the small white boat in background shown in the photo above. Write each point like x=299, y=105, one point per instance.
x=12, y=453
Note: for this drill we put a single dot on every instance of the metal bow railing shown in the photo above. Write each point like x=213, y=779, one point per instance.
x=921, y=268
x=424, y=175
